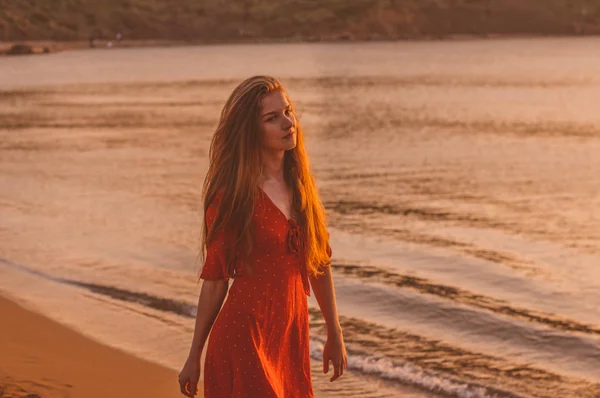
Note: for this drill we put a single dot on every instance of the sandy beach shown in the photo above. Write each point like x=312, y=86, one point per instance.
x=42, y=358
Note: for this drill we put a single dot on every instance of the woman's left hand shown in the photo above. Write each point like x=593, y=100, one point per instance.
x=335, y=351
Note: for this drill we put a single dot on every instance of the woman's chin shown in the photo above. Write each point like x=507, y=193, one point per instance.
x=292, y=145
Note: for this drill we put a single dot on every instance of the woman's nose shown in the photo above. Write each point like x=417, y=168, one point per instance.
x=288, y=122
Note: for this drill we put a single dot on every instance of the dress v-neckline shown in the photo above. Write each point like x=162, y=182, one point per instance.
x=277, y=207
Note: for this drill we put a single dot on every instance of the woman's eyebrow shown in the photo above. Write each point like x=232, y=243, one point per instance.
x=268, y=113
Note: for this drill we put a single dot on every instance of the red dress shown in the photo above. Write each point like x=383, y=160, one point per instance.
x=259, y=342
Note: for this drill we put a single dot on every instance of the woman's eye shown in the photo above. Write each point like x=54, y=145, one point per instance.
x=287, y=113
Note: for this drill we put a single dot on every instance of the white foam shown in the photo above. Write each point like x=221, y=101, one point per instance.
x=405, y=373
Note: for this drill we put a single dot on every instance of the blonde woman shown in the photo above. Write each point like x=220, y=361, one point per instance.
x=265, y=227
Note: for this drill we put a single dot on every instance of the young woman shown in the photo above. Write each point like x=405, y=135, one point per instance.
x=265, y=227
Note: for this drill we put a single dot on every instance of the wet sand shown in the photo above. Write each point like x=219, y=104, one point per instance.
x=42, y=358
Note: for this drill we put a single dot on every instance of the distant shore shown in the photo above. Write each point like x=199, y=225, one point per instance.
x=41, y=358
x=39, y=46
x=260, y=21
x=52, y=46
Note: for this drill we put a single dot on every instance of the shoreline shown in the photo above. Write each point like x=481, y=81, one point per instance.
x=43, y=358
x=53, y=46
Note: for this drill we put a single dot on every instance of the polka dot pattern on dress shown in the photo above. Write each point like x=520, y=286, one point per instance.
x=259, y=342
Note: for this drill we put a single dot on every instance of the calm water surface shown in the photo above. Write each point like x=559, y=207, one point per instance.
x=461, y=181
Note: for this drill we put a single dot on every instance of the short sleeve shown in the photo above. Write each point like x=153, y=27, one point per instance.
x=215, y=266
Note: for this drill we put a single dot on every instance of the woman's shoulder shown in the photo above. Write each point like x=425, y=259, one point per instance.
x=219, y=196
x=212, y=205
x=216, y=199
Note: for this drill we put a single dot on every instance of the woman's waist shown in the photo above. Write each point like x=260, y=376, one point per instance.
x=265, y=287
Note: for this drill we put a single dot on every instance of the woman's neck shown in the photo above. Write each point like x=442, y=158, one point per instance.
x=273, y=166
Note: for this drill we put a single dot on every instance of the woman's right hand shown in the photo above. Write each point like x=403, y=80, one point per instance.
x=189, y=376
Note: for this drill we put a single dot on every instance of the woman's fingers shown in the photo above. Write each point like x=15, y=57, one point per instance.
x=336, y=372
x=182, y=387
x=188, y=377
x=339, y=364
x=339, y=368
x=193, y=386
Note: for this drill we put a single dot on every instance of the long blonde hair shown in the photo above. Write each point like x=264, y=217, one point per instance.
x=235, y=167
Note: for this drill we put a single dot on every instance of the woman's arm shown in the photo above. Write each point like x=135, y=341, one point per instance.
x=334, y=350
x=325, y=295
x=209, y=304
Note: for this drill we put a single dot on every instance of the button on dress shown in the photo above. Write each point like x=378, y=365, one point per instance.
x=259, y=342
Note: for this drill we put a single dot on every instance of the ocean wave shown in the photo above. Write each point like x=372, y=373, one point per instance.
x=441, y=367
x=463, y=296
x=407, y=373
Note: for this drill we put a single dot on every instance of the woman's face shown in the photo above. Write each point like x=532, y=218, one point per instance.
x=278, y=122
